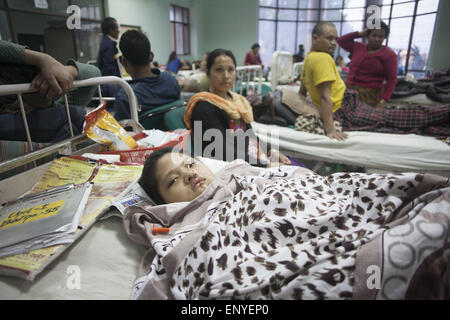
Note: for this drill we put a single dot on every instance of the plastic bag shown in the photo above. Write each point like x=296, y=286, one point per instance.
x=102, y=127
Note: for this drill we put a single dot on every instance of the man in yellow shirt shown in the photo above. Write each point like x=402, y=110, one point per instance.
x=321, y=78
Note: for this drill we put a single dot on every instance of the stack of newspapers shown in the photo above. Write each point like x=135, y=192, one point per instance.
x=42, y=219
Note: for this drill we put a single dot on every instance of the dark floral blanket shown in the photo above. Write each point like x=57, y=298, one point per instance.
x=344, y=236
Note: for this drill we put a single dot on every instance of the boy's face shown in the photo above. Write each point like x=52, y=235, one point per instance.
x=327, y=40
x=181, y=178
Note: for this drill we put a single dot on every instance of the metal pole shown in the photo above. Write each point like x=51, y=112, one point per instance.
x=25, y=122
x=68, y=115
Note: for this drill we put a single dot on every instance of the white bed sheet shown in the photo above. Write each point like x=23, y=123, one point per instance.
x=108, y=262
x=393, y=152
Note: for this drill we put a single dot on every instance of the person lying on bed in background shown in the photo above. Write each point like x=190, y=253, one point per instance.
x=228, y=114
x=373, y=68
x=197, y=81
x=45, y=110
x=320, y=78
x=152, y=87
x=288, y=233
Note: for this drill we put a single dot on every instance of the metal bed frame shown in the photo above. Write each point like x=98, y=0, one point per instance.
x=247, y=75
x=282, y=69
x=65, y=146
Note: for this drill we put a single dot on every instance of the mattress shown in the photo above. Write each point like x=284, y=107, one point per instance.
x=105, y=259
x=392, y=152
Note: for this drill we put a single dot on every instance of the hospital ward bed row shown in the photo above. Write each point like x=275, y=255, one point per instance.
x=377, y=152
x=109, y=260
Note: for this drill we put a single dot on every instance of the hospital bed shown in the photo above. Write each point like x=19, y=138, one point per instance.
x=282, y=70
x=376, y=152
x=248, y=77
x=106, y=258
x=370, y=150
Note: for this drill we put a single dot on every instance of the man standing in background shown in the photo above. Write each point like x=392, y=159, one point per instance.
x=108, y=55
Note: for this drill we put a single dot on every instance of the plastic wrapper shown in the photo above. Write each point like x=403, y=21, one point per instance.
x=102, y=127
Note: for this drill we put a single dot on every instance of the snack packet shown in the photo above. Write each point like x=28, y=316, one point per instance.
x=102, y=127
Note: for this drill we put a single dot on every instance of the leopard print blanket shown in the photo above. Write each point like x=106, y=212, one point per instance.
x=285, y=238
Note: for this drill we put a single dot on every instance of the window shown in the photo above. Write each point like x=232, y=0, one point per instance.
x=412, y=26
x=285, y=24
x=41, y=25
x=179, y=28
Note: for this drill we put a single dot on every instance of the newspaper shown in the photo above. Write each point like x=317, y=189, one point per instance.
x=134, y=196
x=110, y=182
x=42, y=219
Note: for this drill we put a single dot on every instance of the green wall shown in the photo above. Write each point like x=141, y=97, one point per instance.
x=440, y=47
x=230, y=24
x=153, y=18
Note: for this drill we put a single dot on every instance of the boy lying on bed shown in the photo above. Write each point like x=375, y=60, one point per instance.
x=287, y=233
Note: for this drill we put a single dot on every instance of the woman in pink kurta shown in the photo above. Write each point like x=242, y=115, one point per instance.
x=373, y=68
x=252, y=57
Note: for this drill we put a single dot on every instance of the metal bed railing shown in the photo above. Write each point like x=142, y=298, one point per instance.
x=65, y=145
x=297, y=69
x=246, y=76
x=281, y=69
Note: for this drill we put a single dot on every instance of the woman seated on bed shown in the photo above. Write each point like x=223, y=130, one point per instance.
x=286, y=232
x=228, y=115
x=371, y=65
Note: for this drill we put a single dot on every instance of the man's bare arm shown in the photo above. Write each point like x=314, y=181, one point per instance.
x=326, y=112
